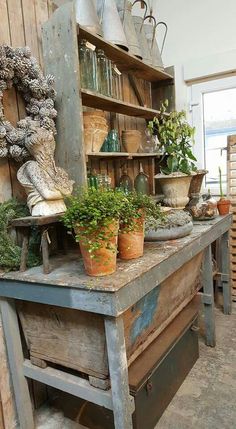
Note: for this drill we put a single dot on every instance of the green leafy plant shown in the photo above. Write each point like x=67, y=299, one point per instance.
x=136, y=206
x=176, y=138
x=221, y=186
x=10, y=252
x=170, y=220
x=91, y=211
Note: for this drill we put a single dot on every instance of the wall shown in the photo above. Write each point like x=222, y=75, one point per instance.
x=199, y=31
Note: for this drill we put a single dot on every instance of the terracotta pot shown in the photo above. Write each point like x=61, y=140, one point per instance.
x=223, y=206
x=130, y=244
x=104, y=262
x=131, y=140
x=93, y=139
x=175, y=188
x=99, y=113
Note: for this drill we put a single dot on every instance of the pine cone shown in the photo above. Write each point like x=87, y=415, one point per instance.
x=3, y=85
x=3, y=152
x=44, y=112
x=49, y=103
x=17, y=153
x=50, y=79
x=2, y=132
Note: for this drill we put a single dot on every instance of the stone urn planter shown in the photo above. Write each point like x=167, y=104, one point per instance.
x=175, y=187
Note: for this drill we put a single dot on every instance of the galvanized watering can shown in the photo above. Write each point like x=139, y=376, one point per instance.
x=125, y=8
x=150, y=31
x=111, y=23
x=138, y=23
x=86, y=16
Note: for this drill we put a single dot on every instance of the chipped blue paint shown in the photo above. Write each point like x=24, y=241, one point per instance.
x=146, y=309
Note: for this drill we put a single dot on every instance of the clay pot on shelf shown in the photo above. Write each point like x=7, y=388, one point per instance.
x=95, y=130
x=131, y=243
x=131, y=140
x=175, y=187
x=223, y=206
x=103, y=261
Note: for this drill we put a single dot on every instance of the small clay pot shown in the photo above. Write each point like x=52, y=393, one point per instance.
x=131, y=243
x=104, y=261
x=223, y=206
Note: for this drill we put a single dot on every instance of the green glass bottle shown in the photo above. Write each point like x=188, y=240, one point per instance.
x=125, y=182
x=141, y=184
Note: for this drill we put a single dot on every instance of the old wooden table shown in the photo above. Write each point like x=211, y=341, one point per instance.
x=67, y=286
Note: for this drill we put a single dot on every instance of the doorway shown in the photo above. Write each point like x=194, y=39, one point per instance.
x=213, y=111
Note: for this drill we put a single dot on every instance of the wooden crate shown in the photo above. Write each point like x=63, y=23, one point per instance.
x=76, y=339
x=232, y=194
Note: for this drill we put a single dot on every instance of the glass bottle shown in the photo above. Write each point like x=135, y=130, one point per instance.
x=103, y=73
x=88, y=66
x=141, y=182
x=125, y=182
x=113, y=141
x=116, y=82
x=92, y=179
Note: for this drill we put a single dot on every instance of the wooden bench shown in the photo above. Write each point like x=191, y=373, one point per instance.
x=24, y=225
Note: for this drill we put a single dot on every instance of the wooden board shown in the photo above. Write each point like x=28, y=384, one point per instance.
x=76, y=339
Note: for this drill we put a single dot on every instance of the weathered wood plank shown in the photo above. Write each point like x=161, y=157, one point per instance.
x=60, y=49
x=14, y=349
x=207, y=282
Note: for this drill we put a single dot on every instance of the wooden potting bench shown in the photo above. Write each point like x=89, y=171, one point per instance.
x=109, y=298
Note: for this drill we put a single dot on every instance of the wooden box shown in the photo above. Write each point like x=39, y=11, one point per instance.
x=76, y=339
x=154, y=377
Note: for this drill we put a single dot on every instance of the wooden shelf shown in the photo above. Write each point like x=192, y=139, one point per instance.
x=98, y=101
x=122, y=155
x=125, y=62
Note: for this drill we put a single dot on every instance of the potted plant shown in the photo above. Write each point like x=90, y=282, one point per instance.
x=94, y=216
x=178, y=162
x=174, y=224
x=137, y=207
x=223, y=204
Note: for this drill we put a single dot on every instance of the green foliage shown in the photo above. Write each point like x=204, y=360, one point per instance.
x=221, y=187
x=92, y=211
x=176, y=137
x=170, y=220
x=136, y=206
x=9, y=251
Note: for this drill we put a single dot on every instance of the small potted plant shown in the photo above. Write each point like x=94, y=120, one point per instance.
x=176, y=138
x=94, y=216
x=223, y=204
x=131, y=233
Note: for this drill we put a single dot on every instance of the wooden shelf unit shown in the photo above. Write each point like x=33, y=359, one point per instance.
x=125, y=62
x=99, y=101
x=60, y=36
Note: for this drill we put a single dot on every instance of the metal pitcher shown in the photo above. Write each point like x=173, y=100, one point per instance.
x=87, y=17
x=125, y=8
x=150, y=31
x=138, y=23
x=111, y=23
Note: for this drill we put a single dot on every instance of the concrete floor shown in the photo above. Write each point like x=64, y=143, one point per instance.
x=206, y=399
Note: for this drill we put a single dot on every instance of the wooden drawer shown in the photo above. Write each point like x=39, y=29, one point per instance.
x=76, y=339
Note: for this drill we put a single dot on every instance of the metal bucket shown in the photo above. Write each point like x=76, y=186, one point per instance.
x=111, y=23
x=125, y=8
x=138, y=23
x=150, y=31
x=87, y=17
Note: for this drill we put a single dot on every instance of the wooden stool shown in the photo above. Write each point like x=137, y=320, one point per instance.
x=42, y=222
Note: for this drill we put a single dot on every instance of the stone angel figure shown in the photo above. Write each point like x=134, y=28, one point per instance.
x=45, y=184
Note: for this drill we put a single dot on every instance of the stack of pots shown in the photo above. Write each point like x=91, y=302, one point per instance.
x=95, y=130
x=131, y=140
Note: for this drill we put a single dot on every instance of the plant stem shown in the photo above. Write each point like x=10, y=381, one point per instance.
x=221, y=188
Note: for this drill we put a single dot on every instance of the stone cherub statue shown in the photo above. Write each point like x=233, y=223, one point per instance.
x=45, y=184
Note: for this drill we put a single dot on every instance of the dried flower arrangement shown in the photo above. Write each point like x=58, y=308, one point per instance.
x=18, y=68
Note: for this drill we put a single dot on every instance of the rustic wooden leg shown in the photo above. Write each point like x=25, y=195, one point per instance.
x=45, y=251
x=99, y=383
x=25, y=248
x=123, y=405
x=15, y=356
x=208, y=298
x=225, y=270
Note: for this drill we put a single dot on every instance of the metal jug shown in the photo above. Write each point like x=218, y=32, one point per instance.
x=111, y=23
x=150, y=31
x=138, y=23
x=87, y=17
x=125, y=8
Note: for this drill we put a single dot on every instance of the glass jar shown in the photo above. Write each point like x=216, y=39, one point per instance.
x=92, y=179
x=103, y=73
x=141, y=184
x=88, y=66
x=116, y=82
x=150, y=143
x=104, y=181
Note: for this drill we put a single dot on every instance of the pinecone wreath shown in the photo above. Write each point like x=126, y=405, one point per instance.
x=19, y=69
